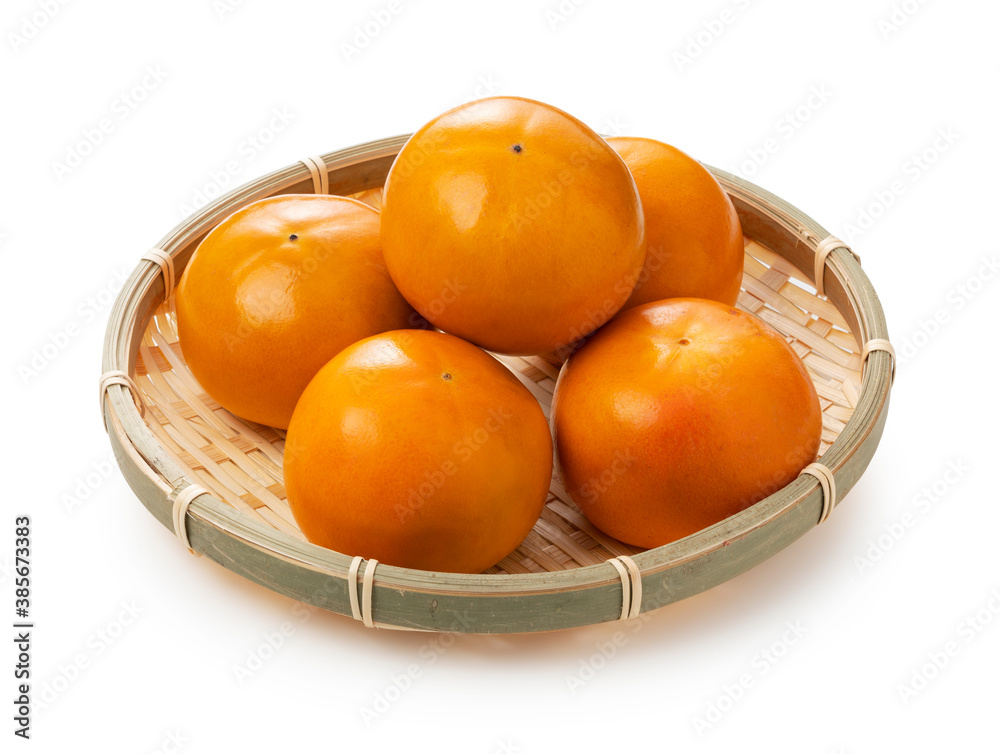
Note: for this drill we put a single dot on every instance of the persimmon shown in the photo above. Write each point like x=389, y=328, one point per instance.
x=694, y=242
x=275, y=291
x=418, y=449
x=678, y=414
x=512, y=224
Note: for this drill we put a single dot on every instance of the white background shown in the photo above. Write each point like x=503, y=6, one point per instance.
x=894, y=77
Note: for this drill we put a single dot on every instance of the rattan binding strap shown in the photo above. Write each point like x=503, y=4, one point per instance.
x=182, y=501
x=631, y=579
x=362, y=609
x=166, y=263
x=319, y=173
x=880, y=344
x=362, y=612
x=823, y=250
x=829, y=486
x=118, y=377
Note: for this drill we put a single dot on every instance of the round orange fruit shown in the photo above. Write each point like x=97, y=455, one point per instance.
x=694, y=243
x=679, y=414
x=418, y=449
x=275, y=291
x=512, y=224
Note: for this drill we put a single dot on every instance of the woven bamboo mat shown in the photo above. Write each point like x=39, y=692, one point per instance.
x=239, y=462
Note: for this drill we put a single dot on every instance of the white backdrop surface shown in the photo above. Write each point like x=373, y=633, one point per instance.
x=879, y=631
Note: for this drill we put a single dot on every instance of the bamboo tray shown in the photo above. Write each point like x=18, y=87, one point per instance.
x=171, y=435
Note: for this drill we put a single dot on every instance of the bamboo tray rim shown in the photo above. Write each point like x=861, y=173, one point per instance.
x=209, y=518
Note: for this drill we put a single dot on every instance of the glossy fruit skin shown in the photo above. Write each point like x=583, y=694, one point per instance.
x=658, y=438
x=420, y=450
x=513, y=225
x=259, y=312
x=694, y=242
